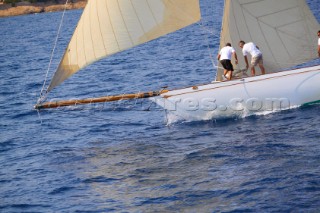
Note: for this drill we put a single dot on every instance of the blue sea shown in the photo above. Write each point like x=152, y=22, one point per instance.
x=124, y=157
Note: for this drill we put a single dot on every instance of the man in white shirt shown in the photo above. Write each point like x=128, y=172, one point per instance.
x=224, y=57
x=256, y=56
x=319, y=43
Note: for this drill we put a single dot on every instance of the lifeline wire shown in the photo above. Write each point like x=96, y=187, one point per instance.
x=204, y=28
x=207, y=41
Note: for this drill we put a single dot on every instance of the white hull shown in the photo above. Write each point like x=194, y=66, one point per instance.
x=243, y=97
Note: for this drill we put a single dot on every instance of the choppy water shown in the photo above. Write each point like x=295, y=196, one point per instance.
x=121, y=158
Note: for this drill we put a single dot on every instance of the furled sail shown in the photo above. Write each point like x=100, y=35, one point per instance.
x=284, y=30
x=110, y=26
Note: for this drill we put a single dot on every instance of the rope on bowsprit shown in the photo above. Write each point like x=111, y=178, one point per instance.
x=43, y=94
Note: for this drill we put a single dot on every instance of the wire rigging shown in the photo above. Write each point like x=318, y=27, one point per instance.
x=43, y=96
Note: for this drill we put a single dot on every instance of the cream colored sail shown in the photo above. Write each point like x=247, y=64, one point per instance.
x=285, y=31
x=110, y=26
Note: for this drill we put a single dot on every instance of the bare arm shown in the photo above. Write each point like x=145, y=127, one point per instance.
x=319, y=50
x=236, y=57
x=246, y=60
x=218, y=57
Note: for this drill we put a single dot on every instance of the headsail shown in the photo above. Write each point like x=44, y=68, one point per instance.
x=110, y=26
x=285, y=31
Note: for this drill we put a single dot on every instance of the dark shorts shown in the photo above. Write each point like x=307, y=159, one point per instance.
x=227, y=64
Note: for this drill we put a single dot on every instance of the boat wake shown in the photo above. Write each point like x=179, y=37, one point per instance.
x=172, y=118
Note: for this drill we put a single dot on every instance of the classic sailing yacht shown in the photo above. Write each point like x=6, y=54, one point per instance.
x=285, y=31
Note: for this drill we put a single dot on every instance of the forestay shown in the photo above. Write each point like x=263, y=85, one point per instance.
x=110, y=26
x=285, y=31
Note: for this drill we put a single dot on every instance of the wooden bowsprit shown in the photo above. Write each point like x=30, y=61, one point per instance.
x=56, y=104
